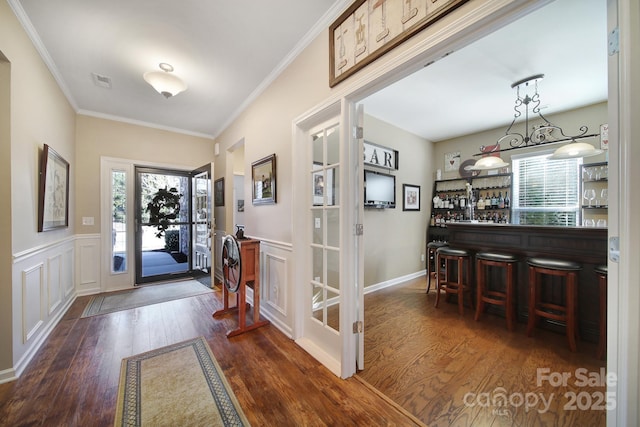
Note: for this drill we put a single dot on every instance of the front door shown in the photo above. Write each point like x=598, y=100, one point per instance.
x=163, y=225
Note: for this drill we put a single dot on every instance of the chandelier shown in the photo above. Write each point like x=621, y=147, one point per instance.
x=529, y=102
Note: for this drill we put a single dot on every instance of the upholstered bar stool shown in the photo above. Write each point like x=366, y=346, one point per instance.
x=432, y=247
x=602, y=272
x=565, y=312
x=486, y=293
x=451, y=259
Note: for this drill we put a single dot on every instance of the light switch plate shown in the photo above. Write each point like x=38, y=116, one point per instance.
x=87, y=220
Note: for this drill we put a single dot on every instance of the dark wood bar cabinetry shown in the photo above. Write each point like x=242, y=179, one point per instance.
x=585, y=245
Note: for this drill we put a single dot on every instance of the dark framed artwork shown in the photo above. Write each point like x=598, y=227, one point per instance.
x=218, y=192
x=410, y=197
x=53, y=194
x=263, y=180
x=369, y=29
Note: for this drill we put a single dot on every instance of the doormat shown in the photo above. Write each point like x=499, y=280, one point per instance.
x=178, y=385
x=151, y=294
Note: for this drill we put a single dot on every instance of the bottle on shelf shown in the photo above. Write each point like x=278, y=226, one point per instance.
x=500, y=201
x=507, y=201
x=480, y=204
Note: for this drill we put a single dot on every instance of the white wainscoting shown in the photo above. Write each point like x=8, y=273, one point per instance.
x=88, y=264
x=43, y=289
x=275, y=271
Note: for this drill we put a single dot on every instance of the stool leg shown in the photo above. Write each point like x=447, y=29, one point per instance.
x=437, y=268
x=460, y=287
x=428, y=270
x=531, y=324
x=602, y=339
x=510, y=307
x=571, y=311
x=479, y=288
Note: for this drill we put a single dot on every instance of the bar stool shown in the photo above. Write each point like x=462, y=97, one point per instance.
x=458, y=258
x=432, y=247
x=491, y=295
x=602, y=273
x=567, y=312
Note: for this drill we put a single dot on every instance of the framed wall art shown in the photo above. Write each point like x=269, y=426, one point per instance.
x=410, y=197
x=370, y=28
x=263, y=180
x=218, y=192
x=53, y=194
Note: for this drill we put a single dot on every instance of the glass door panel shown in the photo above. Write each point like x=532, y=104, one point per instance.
x=163, y=232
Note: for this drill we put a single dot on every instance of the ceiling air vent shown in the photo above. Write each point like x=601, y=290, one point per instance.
x=102, y=81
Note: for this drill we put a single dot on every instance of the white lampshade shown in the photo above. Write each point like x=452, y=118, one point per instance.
x=573, y=150
x=164, y=82
x=488, y=162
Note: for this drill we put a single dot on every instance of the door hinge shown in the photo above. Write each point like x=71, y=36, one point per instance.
x=359, y=229
x=358, y=132
x=613, y=42
x=357, y=327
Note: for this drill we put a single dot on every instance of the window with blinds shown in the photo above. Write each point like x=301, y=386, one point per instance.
x=545, y=192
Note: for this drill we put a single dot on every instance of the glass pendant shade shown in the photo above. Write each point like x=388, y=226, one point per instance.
x=575, y=149
x=488, y=162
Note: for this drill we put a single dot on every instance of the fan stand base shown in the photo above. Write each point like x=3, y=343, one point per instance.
x=250, y=255
x=241, y=308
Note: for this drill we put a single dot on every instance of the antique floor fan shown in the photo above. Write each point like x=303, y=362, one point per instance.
x=241, y=268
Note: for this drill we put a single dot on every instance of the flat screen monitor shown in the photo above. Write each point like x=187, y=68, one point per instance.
x=379, y=190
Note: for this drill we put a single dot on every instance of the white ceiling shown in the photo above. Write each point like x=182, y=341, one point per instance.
x=470, y=90
x=229, y=51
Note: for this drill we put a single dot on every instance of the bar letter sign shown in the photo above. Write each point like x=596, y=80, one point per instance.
x=377, y=155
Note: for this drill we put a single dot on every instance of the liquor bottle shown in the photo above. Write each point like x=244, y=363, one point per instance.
x=480, y=204
x=494, y=201
x=500, y=201
x=432, y=222
x=507, y=201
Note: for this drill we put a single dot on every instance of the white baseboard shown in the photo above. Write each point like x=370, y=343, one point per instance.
x=394, y=282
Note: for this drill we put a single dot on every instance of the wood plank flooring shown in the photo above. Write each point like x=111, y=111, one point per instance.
x=73, y=379
x=427, y=360
x=424, y=359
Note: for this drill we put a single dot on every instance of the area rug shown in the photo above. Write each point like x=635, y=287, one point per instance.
x=146, y=295
x=177, y=385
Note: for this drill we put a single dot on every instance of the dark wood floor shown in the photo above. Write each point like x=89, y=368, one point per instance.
x=428, y=359
x=73, y=379
x=424, y=359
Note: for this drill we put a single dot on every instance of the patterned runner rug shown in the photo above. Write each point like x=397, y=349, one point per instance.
x=145, y=295
x=177, y=385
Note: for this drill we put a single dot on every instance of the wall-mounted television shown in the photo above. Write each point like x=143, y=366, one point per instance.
x=379, y=190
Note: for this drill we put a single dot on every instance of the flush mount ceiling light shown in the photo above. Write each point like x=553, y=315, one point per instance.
x=164, y=82
x=528, y=100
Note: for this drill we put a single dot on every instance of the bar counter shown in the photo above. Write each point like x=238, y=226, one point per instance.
x=585, y=245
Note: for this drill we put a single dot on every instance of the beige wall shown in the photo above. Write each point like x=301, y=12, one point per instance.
x=570, y=121
x=5, y=214
x=394, y=240
x=98, y=137
x=38, y=113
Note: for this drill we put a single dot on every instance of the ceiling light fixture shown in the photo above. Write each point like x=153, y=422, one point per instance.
x=527, y=97
x=164, y=82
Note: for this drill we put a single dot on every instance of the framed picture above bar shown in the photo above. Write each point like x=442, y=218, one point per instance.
x=370, y=28
x=263, y=180
x=53, y=194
